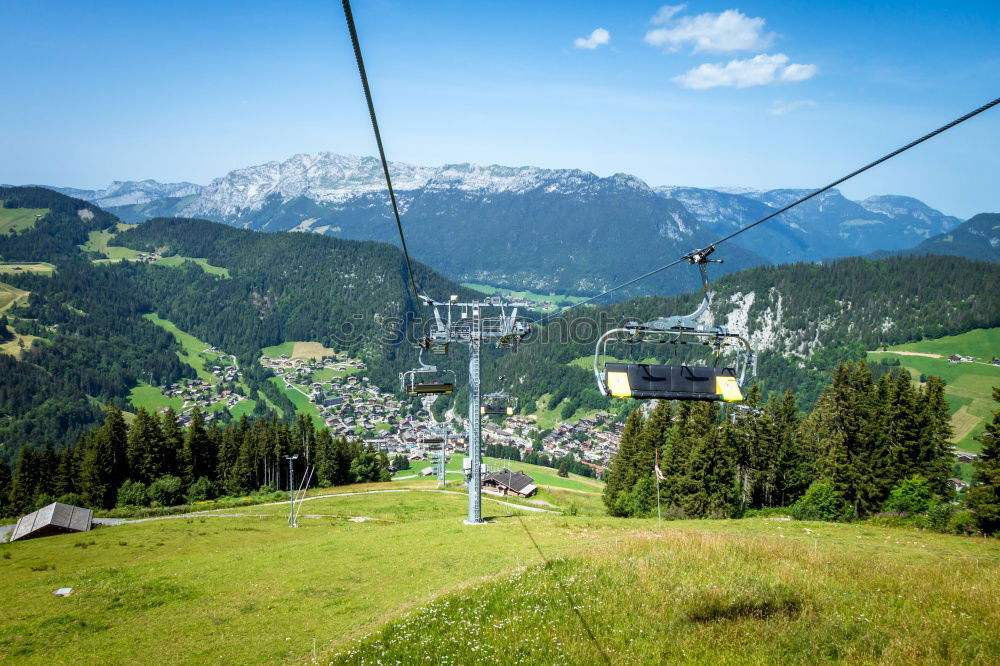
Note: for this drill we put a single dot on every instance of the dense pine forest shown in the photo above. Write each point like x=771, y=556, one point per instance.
x=868, y=446
x=94, y=345
x=155, y=463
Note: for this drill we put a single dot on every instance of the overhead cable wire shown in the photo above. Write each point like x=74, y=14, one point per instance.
x=378, y=139
x=687, y=257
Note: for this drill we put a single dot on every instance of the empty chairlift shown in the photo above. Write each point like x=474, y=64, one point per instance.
x=427, y=380
x=682, y=381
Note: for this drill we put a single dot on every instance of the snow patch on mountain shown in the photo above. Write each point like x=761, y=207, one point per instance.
x=336, y=179
x=131, y=192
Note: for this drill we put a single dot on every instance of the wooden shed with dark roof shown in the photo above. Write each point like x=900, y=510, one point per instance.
x=510, y=483
x=55, y=518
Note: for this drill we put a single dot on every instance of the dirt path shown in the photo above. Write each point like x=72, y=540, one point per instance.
x=909, y=353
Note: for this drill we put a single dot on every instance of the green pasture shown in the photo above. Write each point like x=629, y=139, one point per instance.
x=36, y=267
x=18, y=219
x=397, y=578
x=176, y=261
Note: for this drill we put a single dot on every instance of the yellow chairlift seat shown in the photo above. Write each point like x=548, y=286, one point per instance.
x=672, y=382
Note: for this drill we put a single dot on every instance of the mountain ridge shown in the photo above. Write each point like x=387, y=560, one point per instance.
x=551, y=230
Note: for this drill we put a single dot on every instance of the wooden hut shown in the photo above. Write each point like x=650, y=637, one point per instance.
x=506, y=482
x=55, y=518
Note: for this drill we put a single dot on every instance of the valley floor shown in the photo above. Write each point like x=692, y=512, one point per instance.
x=387, y=576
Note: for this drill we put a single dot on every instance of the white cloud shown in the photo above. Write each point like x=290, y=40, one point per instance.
x=780, y=107
x=761, y=70
x=794, y=72
x=599, y=37
x=666, y=13
x=731, y=30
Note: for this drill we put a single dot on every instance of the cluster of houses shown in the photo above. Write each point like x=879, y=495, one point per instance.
x=349, y=404
x=593, y=439
x=203, y=395
x=147, y=257
x=957, y=358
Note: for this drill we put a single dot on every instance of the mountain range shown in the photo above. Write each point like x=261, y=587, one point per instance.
x=550, y=230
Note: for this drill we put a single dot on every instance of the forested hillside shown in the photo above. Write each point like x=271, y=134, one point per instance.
x=94, y=344
x=803, y=318
x=976, y=238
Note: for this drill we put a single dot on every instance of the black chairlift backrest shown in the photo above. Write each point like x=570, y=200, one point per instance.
x=672, y=382
x=430, y=388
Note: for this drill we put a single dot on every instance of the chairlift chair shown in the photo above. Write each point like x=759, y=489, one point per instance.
x=645, y=381
x=411, y=383
x=498, y=404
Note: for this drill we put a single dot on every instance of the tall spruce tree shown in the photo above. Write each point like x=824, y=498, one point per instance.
x=623, y=468
x=173, y=443
x=199, y=458
x=984, y=496
x=712, y=467
x=936, y=437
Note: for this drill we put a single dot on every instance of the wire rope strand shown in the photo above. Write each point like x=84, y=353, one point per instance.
x=378, y=139
x=884, y=158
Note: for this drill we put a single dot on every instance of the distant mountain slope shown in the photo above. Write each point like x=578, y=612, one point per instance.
x=977, y=238
x=94, y=342
x=546, y=230
x=828, y=226
x=803, y=318
x=130, y=192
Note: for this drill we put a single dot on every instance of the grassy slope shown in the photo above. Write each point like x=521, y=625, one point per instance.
x=250, y=589
x=300, y=400
x=543, y=476
x=752, y=591
x=177, y=261
x=548, y=418
x=19, y=219
x=41, y=267
x=192, y=353
x=10, y=295
x=969, y=385
x=527, y=295
x=152, y=398
x=97, y=241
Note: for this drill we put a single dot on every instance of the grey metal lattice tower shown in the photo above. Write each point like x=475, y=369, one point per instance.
x=492, y=319
x=475, y=477
x=443, y=457
x=291, y=490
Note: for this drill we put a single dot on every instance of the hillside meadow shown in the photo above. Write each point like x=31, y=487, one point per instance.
x=969, y=387
x=380, y=577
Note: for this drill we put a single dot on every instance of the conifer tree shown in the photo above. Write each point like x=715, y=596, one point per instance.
x=147, y=458
x=937, y=435
x=5, y=479
x=65, y=476
x=984, y=496
x=712, y=466
x=674, y=461
x=199, y=458
x=173, y=446
x=622, y=473
x=25, y=482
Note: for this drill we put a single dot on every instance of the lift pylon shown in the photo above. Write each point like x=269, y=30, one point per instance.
x=493, y=319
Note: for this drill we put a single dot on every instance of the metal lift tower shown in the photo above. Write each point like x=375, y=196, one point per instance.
x=493, y=319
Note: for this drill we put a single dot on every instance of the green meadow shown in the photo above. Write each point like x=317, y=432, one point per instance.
x=18, y=219
x=176, y=261
x=969, y=387
x=395, y=577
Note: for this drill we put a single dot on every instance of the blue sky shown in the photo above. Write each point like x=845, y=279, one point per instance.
x=757, y=94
